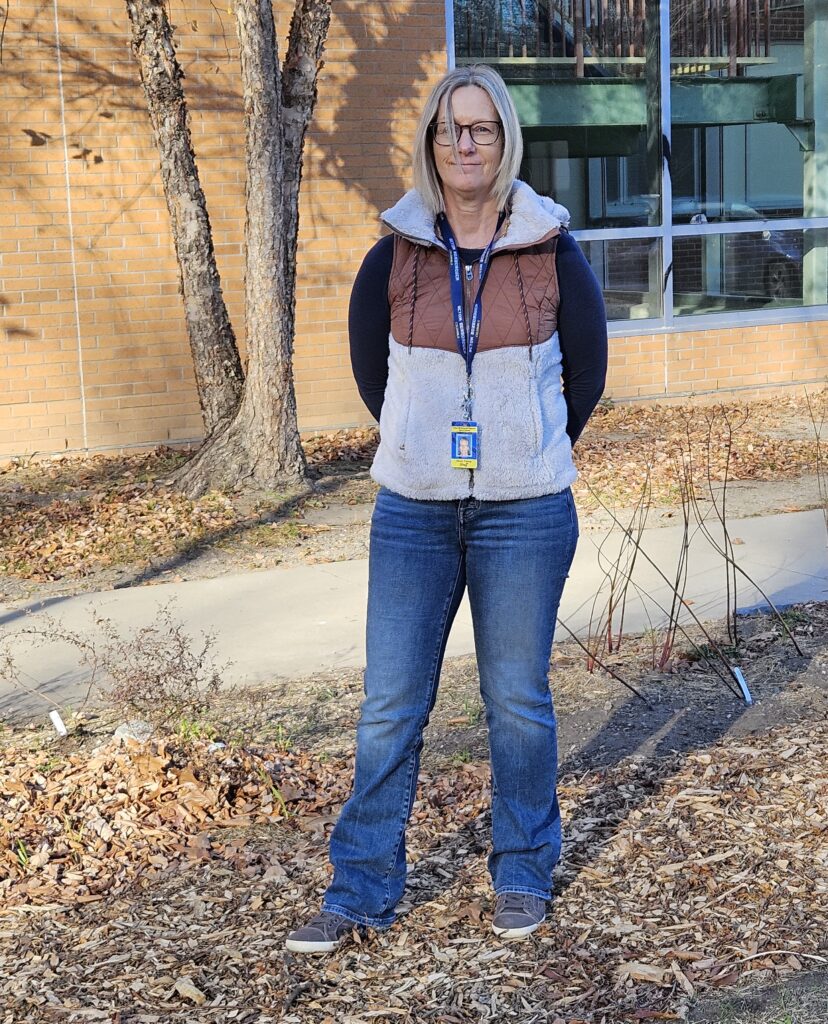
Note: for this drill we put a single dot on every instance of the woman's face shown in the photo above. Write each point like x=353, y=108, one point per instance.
x=474, y=174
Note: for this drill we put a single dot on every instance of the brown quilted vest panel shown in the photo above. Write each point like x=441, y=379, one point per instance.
x=520, y=300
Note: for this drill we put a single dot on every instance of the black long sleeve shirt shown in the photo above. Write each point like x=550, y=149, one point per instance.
x=582, y=329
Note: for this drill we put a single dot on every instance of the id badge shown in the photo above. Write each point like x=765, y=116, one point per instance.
x=464, y=444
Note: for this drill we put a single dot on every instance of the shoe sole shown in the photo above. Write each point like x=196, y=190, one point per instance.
x=305, y=946
x=517, y=933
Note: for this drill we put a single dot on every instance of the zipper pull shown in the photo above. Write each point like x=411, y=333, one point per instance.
x=469, y=273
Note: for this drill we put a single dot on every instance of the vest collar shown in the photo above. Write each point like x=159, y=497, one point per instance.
x=532, y=219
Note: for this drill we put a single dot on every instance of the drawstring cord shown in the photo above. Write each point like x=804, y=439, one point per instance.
x=523, y=302
x=413, y=298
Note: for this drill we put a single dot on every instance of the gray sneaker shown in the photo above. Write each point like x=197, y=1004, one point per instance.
x=517, y=914
x=321, y=934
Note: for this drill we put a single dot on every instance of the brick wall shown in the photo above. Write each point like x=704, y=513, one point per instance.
x=746, y=359
x=787, y=21
x=93, y=349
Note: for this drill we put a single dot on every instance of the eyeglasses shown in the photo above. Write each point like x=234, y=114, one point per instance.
x=483, y=133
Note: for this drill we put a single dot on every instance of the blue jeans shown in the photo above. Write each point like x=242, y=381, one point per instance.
x=514, y=557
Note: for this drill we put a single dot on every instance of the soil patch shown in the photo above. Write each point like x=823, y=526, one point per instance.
x=799, y=999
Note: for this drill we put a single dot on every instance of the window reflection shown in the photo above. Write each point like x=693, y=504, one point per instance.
x=742, y=90
x=577, y=38
x=629, y=270
x=748, y=138
x=750, y=270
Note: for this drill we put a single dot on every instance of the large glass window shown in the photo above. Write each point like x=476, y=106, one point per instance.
x=630, y=271
x=689, y=140
x=742, y=122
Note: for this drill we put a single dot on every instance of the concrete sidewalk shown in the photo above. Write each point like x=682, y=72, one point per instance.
x=293, y=622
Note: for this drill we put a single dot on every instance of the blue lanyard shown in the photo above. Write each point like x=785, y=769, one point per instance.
x=467, y=340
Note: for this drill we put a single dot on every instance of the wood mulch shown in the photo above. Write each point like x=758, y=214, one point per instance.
x=156, y=883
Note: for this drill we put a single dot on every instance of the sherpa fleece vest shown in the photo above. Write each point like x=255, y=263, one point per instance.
x=516, y=376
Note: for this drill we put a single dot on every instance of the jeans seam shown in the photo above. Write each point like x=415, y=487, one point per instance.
x=371, y=922
x=525, y=890
x=573, y=515
x=432, y=688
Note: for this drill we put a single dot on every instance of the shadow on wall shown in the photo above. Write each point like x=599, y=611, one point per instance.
x=372, y=80
x=104, y=123
x=361, y=148
x=211, y=86
x=114, y=113
x=117, y=113
x=105, y=103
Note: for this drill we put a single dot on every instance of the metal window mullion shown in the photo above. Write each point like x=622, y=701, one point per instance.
x=745, y=227
x=635, y=328
x=667, y=183
x=613, y=234
x=720, y=321
x=696, y=230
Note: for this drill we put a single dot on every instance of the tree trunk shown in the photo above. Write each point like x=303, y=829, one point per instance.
x=261, y=446
x=218, y=371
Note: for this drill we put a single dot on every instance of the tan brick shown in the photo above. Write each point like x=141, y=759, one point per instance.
x=138, y=374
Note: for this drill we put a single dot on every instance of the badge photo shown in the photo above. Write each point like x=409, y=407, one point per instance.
x=464, y=445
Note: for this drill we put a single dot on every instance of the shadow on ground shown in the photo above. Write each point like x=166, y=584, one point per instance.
x=799, y=999
x=690, y=712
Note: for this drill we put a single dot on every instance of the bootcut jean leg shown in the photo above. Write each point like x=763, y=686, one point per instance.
x=416, y=582
x=518, y=555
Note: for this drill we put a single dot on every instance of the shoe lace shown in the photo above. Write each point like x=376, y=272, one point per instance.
x=329, y=917
x=513, y=901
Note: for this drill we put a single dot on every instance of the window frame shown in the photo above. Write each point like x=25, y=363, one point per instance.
x=666, y=231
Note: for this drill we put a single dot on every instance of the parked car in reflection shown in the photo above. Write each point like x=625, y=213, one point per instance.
x=765, y=262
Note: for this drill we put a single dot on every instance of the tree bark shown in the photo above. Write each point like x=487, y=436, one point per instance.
x=260, y=447
x=218, y=371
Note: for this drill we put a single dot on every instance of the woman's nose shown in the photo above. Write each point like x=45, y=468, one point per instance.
x=466, y=143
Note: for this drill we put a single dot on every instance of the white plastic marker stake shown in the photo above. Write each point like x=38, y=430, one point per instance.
x=743, y=686
x=57, y=722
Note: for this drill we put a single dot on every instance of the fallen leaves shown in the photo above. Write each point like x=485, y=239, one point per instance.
x=341, y=445
x=625, y=446
x=74, y=517
x=643, y=972
x=678, y=876
x=124, y=525
x=99, y=821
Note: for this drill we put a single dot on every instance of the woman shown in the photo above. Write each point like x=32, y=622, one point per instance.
x=463, y=323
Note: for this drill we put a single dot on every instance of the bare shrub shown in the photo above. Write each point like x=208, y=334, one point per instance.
x=818, y=411
x=158, y=672
x=161, y=670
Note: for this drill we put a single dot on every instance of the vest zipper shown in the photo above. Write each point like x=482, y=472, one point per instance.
x=467, y=302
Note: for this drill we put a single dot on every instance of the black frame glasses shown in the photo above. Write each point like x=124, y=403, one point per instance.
x=486, y=126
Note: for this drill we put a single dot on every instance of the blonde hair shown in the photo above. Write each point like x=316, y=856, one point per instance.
x=426, y=179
